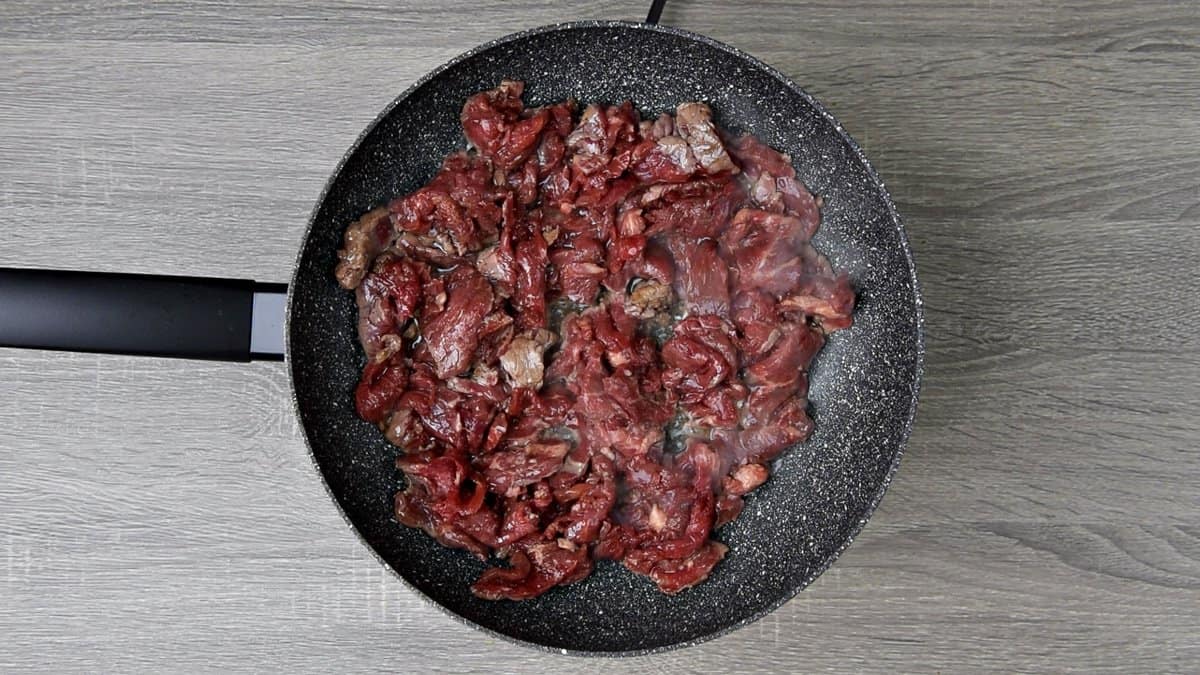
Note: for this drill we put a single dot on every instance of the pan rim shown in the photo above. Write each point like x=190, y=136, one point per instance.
x=856, y=527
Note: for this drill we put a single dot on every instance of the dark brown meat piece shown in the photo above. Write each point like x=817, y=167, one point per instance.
x=745, y=478
x=404, y=430
x=649, y=298
x=693, y=121
x=522, y=360
x=365, y=238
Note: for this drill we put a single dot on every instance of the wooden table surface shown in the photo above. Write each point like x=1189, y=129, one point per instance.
x=160, y=515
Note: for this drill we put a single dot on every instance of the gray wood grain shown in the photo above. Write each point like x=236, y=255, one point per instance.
x=160, y=515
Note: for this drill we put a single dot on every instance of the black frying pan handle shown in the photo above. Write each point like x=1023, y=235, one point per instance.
x=655, y=14
x=185, y=317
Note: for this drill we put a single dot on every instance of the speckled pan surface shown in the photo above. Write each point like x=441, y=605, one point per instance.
x=863, y=384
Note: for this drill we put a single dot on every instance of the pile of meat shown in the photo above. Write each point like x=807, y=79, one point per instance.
x=589, y=336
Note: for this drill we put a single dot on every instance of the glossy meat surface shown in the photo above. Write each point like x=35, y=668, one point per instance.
x=588, y=336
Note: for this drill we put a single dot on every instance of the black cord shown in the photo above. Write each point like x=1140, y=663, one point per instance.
x=655, y=12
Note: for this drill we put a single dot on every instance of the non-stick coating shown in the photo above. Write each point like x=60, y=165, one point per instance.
x=864, y=383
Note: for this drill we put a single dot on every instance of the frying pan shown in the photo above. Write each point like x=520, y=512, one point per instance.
x=863, y=384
